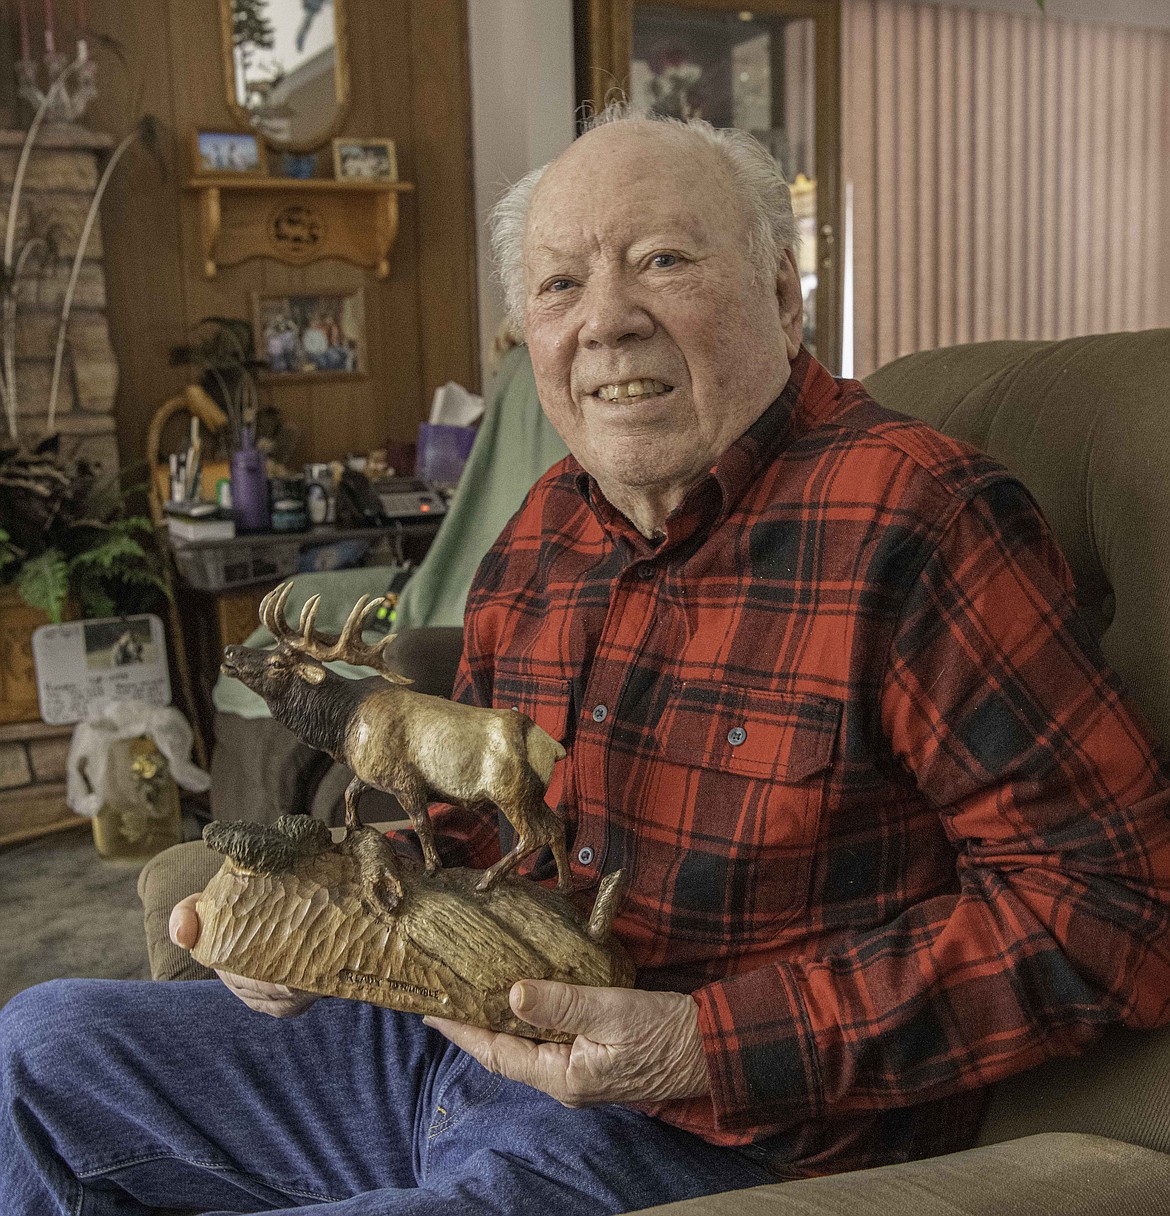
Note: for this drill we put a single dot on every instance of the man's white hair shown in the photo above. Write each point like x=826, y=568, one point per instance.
x=765, y=193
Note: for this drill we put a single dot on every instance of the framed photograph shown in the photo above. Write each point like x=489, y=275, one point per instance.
x=239, y=153
x=311, y=336
x=371, y=160
x=81, y=663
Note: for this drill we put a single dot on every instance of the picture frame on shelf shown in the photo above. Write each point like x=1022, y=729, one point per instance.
x=369, y=160
x=228, y=153
x=310, y=336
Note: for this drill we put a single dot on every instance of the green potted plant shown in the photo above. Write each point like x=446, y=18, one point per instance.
x=67, y=534
x=222, y=349
x=69, y=546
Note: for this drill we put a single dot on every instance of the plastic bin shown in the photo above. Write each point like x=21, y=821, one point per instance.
x=214, y=567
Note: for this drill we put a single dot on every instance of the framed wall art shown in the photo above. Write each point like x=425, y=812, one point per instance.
x=318, y=336
x=371, y=160
x=235, y=153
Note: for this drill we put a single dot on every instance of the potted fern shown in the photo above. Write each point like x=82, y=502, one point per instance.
x=69, y=546
x=67, y=535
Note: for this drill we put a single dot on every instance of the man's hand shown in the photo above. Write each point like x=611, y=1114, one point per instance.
x=631, y=1046
x=273, y=999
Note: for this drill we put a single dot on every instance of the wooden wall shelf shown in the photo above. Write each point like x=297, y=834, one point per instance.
x=296, y=221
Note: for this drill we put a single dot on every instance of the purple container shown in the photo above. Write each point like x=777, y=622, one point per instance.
x=442, y=451
x=250, y=490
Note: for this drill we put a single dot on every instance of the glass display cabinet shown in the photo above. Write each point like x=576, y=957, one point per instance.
x=772, y=69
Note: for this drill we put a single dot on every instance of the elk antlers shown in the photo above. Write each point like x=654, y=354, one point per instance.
x=347, y=646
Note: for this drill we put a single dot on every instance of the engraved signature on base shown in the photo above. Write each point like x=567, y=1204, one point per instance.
x=364, y=980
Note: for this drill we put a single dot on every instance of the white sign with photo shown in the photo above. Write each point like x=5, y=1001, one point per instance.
x=82, y=663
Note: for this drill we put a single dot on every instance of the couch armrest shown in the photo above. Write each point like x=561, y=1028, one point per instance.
x=1120, y=1088
x=1055, y=1174
x=166, y=878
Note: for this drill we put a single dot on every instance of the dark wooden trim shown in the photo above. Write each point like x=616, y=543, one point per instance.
x=441, y=123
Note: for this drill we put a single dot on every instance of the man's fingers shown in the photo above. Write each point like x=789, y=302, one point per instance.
x=541, y=1065
x=183, y=925
x=277, y=1000
x=474, y=1040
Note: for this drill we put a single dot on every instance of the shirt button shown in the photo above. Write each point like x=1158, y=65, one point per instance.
x=600, y=713
x=645, y=571
x=736, y=735
x=585, y=855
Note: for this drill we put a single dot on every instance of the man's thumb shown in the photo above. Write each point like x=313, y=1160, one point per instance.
x=183, y=926
x=549, y=1005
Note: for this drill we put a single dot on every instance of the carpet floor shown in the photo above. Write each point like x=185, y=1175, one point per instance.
x=65, y=911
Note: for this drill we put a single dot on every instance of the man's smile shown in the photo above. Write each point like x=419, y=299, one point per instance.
x=632, y=388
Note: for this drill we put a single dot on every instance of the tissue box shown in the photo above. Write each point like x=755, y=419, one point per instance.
x=442, y=452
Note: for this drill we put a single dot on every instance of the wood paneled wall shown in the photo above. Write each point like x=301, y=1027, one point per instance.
x=409, y=82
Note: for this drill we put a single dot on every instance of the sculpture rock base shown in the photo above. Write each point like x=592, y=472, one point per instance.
x=290, y=907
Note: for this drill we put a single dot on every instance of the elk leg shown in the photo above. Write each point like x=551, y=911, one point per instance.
x=504, y=866
x=420, y=820
x=535, y=827
x=353, y=792
x=561, y=857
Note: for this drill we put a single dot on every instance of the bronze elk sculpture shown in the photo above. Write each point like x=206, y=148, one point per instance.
x=419, y=748
x=351, y=918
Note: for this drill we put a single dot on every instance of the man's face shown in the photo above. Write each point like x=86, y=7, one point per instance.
x=654, y=342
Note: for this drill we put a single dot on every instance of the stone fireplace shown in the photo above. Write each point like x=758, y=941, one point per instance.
x=62, y=173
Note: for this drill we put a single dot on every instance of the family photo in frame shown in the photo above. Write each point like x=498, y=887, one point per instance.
x=239, y=153
x=310, y=335
x=371, y=160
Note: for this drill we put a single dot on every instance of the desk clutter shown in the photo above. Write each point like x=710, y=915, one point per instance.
x=250, y=518
x=299, y=503
x=331, y=517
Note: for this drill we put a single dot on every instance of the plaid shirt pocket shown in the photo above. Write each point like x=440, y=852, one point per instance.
x=743, y=772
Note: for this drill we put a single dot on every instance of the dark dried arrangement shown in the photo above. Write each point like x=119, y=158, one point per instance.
x=66, y=533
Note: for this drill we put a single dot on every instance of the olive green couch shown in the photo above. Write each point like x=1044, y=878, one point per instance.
x=1085, y=423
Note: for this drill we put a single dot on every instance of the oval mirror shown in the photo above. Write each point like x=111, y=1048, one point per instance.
x=286, y=69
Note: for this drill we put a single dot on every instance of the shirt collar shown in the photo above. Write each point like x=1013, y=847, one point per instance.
x=809, y=396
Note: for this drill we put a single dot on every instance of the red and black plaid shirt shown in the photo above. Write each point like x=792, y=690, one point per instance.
x=882, y=807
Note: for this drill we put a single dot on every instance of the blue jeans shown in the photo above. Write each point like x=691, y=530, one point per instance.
x=117, y=1097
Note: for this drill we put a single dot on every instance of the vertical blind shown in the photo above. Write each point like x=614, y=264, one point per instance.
x=1010, y=176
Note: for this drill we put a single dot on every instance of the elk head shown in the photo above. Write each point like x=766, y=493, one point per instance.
x=271, y=672
x=300, y=654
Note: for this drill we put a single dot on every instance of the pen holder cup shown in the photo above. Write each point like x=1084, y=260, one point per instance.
x=250, y=490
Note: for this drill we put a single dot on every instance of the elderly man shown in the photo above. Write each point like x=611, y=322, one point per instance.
x=893, y=830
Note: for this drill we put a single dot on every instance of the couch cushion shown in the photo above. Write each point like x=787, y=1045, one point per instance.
x=1120, y=1089
x=166, y=878
x=1048, y=1175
